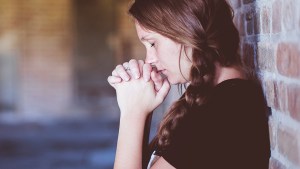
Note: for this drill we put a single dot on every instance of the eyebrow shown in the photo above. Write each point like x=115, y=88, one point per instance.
x=145, y=38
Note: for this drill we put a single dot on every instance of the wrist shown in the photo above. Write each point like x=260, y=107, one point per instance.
x=133, y=115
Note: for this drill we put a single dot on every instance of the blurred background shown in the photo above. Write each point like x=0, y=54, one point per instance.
x=57, y=110
x=56, y=107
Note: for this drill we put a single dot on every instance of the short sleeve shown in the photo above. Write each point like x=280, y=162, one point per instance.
x=183, y=151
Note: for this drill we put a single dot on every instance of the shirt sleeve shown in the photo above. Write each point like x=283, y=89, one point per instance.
x=183, y=151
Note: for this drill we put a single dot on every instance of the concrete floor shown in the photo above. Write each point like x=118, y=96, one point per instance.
x=65, y=144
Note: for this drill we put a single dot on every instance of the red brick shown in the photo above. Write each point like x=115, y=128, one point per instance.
x=289, y=13
x=248, y=55
x=46, y=64
x=241, y=24
x=248, y=1
x=281, y=97
x=250, y=15
x=294, y=101
x=269, y=87
x=275, y=164
x=272, y=132
x=276, y=95
x=276, y=17
x=266, y=56
x=288, y=59
x=289, y=144
x=256, y=23
x=265, y=20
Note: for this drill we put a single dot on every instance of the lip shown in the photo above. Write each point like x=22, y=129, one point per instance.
x=161, y=71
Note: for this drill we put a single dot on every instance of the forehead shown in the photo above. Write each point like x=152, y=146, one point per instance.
x=143, y=32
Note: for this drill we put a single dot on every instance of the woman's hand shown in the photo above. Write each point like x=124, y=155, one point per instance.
x=136, y=69
x=138, y=98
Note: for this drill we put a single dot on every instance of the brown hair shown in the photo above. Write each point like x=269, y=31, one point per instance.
x=204, y=25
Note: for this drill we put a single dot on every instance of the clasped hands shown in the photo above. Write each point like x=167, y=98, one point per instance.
x=139, y=88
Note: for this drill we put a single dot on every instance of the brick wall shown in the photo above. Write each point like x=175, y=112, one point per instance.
x=46, y=64
x=8, y=54
x=125, y=41
x=36, y=49
x=270, y=36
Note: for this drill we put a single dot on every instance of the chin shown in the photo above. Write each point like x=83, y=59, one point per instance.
x=173, y=81
x=177, y=81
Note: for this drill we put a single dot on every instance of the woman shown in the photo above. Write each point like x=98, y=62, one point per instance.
x=220, y=120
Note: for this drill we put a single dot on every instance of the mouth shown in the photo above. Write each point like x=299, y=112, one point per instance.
x=162, y=73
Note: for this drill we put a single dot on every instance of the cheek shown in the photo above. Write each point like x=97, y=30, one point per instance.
x=166, y=58
x=168, y=55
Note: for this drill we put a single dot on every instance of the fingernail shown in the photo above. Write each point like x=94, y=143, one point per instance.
x=137, y=76
x=127, y=78
x=146, y=79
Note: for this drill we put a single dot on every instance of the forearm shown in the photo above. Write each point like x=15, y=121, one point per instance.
x=130, y=142
x=145, y=151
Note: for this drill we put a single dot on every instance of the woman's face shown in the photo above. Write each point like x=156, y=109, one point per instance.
x=165, y=53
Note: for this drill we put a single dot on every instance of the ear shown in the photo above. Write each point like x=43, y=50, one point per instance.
x=188, y=52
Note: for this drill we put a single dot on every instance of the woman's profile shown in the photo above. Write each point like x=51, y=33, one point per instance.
x=220, y=120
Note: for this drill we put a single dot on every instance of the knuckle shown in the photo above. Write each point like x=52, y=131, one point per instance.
x=141, y=62
x=132, y=61
x=123, y=74
x=115, y=73
x=118, y=67
x=146, y=66
x=109, y=79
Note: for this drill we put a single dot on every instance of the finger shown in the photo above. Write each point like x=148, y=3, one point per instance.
x=112, y=80
x=122, y=72
x=114, y=73
x=129, y=72
x=147, y=68
x=157, y=79
x=163, y=92
x=141, y=65
x=134, y=68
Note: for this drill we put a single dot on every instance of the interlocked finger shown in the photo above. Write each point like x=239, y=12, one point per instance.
x=120, y=70
x=157, y=79
x=134, y=68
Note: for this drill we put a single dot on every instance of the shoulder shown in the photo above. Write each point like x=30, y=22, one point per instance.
x=237, y=96
x=231, y=100
x=237, y=88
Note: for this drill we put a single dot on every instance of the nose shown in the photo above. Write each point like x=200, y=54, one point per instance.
x=150, y=58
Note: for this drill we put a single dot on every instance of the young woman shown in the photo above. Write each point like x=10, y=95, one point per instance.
x=220, y=121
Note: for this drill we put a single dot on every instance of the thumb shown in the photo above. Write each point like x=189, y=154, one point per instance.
x=164, y=90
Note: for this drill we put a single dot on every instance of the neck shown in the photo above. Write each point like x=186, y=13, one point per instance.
x=224, y=73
